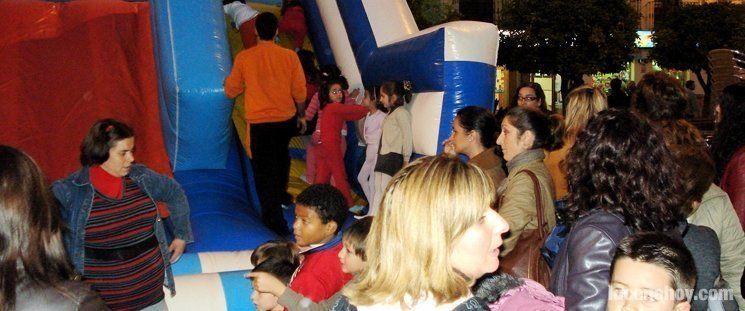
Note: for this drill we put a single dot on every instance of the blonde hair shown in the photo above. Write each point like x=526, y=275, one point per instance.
x=582, y=104
x=426, y=207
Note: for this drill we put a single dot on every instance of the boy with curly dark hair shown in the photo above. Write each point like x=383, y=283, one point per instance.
x=320, y=212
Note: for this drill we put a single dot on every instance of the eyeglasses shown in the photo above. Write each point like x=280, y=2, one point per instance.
x=335, y=91
x=527, y=98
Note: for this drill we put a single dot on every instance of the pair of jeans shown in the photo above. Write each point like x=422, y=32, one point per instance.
x=271, y=167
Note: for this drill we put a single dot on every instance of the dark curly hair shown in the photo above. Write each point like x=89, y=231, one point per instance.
x=326, y=201
x=659, y=97
x=730, y=132
x=620, y=164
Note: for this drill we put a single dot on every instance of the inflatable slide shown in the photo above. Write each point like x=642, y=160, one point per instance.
x=159, y=65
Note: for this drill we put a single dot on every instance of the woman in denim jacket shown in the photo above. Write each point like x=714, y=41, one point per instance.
x=116, y=238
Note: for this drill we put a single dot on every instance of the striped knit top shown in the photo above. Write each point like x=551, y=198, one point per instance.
x=129, y=284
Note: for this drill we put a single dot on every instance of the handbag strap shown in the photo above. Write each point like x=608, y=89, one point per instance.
x=538, y=203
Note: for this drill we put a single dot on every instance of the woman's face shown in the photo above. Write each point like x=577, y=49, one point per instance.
x=121, y=157
x=511, y=141
x=527, y=98
x=476, y=252
x=461, y=138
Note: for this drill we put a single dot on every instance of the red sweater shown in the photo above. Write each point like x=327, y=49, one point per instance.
x=334, y=116
x=319, y=276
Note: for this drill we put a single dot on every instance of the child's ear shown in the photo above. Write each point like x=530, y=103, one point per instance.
x=331, y=227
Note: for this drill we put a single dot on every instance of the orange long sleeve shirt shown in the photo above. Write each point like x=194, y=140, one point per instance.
x=273, y=80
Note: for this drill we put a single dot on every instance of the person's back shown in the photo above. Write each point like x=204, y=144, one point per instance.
x=272, y=79
x=703, y=244
x=617, y=98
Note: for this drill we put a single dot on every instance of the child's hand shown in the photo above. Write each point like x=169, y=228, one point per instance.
x=266, y=283
x=355, y=93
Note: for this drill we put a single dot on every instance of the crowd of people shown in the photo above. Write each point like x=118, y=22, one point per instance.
x=645, y=213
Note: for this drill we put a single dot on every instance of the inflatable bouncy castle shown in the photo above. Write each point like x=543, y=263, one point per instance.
x=159, y=65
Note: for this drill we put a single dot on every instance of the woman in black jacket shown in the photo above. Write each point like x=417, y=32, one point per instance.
x=621, y=179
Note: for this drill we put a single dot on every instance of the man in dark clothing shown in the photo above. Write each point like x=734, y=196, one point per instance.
x=617, y=98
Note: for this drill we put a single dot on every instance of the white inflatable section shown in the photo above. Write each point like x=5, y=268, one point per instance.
x=466, y=41
x=425, y=111
x=225, y=261
x=207, y=286
x=340, y=47
x=389, y=20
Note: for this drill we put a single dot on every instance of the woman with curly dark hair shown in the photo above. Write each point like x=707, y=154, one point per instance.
x=728, y=146
x=621, y=179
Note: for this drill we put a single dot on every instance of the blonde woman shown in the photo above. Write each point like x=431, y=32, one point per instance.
x=434, y=235
x=582, y=104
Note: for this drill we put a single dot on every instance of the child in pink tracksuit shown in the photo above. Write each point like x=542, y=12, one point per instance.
x=332, y=116
x=372, y=130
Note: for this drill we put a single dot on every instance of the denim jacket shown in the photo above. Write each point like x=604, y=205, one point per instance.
x=75, y=195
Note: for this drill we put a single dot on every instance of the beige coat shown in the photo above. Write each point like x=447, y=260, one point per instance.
x=717, y=213
x=491, y=164
x=518, y=201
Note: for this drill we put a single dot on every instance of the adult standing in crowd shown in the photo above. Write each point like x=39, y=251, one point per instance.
x=528, y=95
x=432, y=238
x=622, y=179
x=728, y=146
x=617, y=97
x=35, y=271
x=583, y=103
x=693, y=110
x=274, y=82
x=474, y=135
x=117, y=237
x=525, y=134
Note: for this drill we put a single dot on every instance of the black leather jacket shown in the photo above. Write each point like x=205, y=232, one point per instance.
x=582, y=270
x=68, y=295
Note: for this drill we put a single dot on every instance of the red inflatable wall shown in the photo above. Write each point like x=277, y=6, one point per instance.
x=65, y=65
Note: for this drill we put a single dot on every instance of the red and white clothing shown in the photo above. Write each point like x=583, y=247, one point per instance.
x=319, y=275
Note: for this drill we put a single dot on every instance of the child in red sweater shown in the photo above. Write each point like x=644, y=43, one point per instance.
x=330, y=122
x=320, y=212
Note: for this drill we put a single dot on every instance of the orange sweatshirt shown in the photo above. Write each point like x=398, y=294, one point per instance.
x=273, y=80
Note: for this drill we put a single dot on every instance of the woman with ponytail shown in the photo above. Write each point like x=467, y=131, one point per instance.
x=525, y=134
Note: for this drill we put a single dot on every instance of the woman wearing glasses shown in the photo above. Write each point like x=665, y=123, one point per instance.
x=528, y=95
